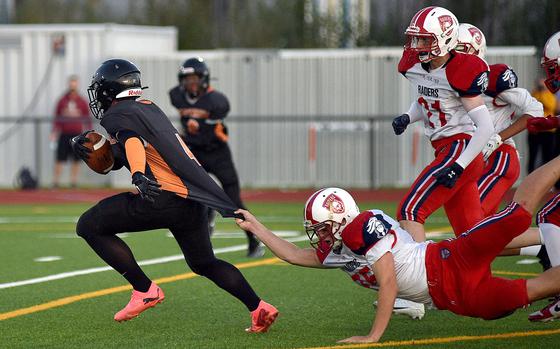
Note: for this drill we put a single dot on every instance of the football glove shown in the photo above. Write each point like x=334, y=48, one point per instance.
x=147, y=188
x=449, y=175
x=400, y=123
x=493, y=143
x=536, y=124
x=78, y=147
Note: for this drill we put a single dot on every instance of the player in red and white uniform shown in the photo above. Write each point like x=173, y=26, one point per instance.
x=506, y=102
x=452, y=275
x=449, y=86
x=548, y=218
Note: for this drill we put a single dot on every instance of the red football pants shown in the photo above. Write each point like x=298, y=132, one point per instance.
x=458, y=270
x=461, y=203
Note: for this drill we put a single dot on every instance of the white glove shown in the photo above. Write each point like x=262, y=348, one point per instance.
x=493, y=143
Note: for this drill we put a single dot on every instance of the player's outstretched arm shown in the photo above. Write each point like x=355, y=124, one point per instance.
x=537, y=184
x=283, y=249
x=384, y=270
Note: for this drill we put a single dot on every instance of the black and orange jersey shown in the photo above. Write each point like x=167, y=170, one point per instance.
x=154, y=146
x=209, y=110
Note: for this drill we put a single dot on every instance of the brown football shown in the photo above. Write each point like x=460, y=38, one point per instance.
x=101, y=158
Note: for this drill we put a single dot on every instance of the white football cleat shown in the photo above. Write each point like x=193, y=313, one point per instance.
x=409, y=308
x=549, y=313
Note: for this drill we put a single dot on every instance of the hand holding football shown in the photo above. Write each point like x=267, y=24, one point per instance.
x=101, y=158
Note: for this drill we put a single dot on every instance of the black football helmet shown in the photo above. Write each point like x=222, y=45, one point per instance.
x=114, y=79
x=195, y=65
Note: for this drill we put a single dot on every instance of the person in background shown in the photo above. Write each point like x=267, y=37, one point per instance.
x=203, y=110
x=71, y=119
x=543, y=142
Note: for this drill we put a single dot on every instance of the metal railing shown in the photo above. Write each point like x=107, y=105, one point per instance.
x=273, y=151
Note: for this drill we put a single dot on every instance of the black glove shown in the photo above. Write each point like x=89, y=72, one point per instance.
x=147, y=188
x=78, y=147
x=449, y=175
x=400, y=123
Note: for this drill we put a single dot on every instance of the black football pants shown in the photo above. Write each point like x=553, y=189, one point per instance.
x=187, y=221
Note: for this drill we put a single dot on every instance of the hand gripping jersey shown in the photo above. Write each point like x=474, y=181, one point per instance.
x=366, y=239
x=506, y=101
x=439, y=91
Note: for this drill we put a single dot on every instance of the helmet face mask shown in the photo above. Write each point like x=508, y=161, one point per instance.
x=552, y=70
x=323, y=236
x=424, y=44
x=193, y=84
x=466, y=48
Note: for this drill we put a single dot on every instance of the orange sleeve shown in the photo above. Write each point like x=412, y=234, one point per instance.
x=135, y=154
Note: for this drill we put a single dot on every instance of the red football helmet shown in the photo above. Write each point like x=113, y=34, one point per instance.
x=327, y=212
x=432, y=33
x=550, y=62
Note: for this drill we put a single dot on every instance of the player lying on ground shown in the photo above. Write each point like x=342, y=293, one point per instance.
x=452, y=275
x=174, y=193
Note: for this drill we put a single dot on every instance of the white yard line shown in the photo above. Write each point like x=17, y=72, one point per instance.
x=107, y=268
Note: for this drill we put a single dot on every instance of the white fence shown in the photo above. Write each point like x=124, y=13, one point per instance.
x=299, y=118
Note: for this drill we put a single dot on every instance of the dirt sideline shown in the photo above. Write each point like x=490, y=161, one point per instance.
x=47, y=196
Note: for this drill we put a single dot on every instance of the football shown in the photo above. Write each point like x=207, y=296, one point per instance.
x=101, y=158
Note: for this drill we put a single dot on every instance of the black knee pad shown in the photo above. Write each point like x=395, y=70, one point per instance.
x=88, y=224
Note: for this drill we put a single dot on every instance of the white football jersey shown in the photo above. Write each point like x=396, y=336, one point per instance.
x=506, y=102
x=439, y=91
x=366, y=239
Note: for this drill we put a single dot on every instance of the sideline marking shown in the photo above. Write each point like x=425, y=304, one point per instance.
x=441, y=340
x=141, y=263
x=72, y=299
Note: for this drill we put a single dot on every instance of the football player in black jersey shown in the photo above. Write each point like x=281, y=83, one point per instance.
x=202, y=111
x=174, y=192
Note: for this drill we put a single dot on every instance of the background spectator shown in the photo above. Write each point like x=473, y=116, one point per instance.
x=71, y=118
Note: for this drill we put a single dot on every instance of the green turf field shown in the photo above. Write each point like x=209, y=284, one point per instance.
x=317, y=307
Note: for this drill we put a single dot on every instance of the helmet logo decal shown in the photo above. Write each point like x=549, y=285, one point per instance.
x=334, y=204
x=476, y=34
x=445, y=22
x=134, y=92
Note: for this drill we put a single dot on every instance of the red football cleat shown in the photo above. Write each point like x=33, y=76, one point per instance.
x=262, y=317
x=548, y=313
x=140, y=301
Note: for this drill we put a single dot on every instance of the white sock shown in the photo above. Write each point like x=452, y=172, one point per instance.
x=530, y=250
x=551, y=239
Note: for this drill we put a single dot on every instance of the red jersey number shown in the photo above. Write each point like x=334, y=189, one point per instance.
x=436, y=108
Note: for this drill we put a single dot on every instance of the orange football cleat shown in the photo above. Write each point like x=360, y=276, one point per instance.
x=140, y=301
x=262, y=318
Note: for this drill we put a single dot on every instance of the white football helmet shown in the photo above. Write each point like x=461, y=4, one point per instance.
x=471, y=40
x=432, y=32
x=550, y=61
x=331, y=209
